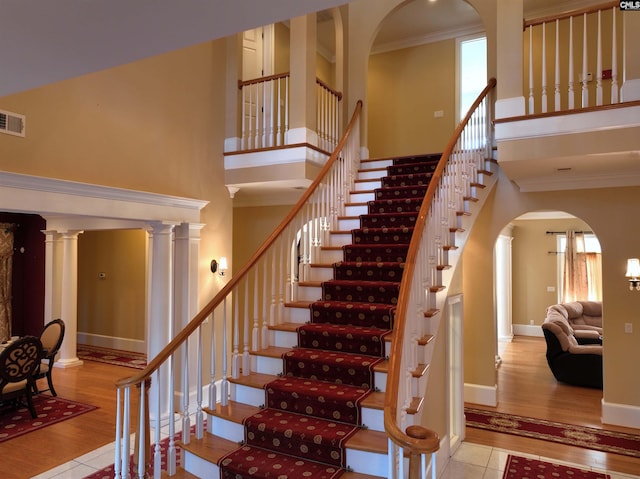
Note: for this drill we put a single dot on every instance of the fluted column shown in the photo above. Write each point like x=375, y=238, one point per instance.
x=69, y=300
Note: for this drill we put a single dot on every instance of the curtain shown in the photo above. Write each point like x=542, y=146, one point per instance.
x=6, y=268
x=594, y=276
x=575, y=281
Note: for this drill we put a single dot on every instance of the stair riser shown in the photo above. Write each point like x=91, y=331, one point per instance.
x=266, y=365
x=340, y=239
x=330, y=256
x=366, y=185
x=356, y=210
x=368, y=462
x=377, y=164
x=297, y=315
x=227, y=429
x=199, y=467
x=247, y=394
x=286, y=339
x=320, y=273
x=371, y=174
x=309, y=293
x=373, y=419
x=361, y=197
x=380, y=380
x=348, y=225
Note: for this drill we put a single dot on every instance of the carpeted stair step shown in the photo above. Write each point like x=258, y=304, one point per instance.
x=400, y=192
x=418, y=179
x=331, y=366
x=361, y=291
x=412, y=168
x=407, y=205
x=323, y=399
x=382, y=220
x=300, y=435
x=382, y=235
x=256, y=463
x=368, y=270
x=408, y=160
x=347, y=339
x=377, y=253
x=366, y=315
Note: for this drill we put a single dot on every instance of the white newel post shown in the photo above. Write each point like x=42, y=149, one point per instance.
x=160, y=300
x=69, y=300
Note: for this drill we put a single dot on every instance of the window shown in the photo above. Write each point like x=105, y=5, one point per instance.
x=471, y=71
x=589, y=259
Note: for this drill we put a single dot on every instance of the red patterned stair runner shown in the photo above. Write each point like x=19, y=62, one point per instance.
x=314, y=408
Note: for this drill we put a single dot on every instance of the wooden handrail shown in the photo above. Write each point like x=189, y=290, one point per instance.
x=205, y=312
x=336, y=93
x=424, y=442
x=254, y=81
x=572, y=13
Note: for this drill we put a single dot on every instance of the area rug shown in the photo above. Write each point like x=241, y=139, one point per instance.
x=50, y=410
x=128, y=359
x=587, y=437
x=525, y=468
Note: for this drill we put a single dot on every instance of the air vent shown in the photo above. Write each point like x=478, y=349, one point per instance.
x=12, y=123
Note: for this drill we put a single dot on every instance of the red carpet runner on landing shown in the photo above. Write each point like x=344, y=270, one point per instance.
x=314, y=408
x=587, y=437
x=525, y=468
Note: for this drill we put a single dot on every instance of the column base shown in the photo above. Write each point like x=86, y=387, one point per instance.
x=68, y=363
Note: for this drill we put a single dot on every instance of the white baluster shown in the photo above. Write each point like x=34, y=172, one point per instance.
x=117, y=464
x=245, y=330
x=157, y=452
x=212, y=373
x=224, y=385
x=571, y=96
x=235, y=355
x=544, y=68
x=557, y=68
x=614, y=57
x=531, y=101
x=599, y=62
x=585, y=86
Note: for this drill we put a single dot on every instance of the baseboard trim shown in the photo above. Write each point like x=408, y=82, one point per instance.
x=112, y=342
x=527, y=330
x=620, y=415
x=483, y=395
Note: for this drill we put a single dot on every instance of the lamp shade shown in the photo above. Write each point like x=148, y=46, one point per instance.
x=633, y=268
x=223, y=264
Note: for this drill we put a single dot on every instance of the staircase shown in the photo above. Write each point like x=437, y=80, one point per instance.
x=338, y=327
x=340, y=304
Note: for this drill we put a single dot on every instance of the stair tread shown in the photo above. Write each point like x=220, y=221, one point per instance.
x=368, y=440
x=210, y=447
x=271, y=351
x=375, y=400
x=181, y=474
x=233, y=411
x=358, y=475
x=298, y=304
x=255, y=380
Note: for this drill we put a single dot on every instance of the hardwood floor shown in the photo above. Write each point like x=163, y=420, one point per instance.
x=526, y=387
x=39, y=451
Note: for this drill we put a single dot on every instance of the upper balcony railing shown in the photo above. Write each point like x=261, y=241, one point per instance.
x=265, y=113
x=573, y=59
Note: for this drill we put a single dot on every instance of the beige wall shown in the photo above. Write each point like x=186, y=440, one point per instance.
x=112, y=306
x=531, y=248
x=156, y=125
x=403, y=94
x=607, y=211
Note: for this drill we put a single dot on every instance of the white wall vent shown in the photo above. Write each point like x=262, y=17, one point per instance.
x=12, y=123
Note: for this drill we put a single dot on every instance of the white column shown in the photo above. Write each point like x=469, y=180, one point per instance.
x=69, y=300
x=51, y=305
x=160, y=301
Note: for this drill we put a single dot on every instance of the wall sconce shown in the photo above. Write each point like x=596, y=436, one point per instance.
x=220, y=266
x=633, y=273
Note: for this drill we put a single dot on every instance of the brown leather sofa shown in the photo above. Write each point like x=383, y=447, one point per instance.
x=573, y=333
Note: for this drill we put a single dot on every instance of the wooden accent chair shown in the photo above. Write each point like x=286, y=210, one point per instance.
x=51, y=338
x=18, y=363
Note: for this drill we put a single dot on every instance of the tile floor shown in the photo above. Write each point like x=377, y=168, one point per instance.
x=471, y=461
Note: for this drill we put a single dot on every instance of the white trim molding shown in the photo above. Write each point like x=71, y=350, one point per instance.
x=479, y=394
x=620, y=414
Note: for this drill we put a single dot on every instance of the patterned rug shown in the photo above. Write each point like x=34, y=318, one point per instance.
x=50, y=410
x=314, y=408
x=525, y=468
x=127, y=359
x=587, y=437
